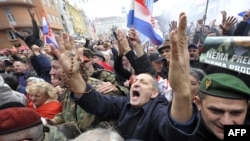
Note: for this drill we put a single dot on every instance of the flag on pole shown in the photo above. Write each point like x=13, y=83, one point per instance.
x=144, y=39
x=48, y=35
x=140, y=18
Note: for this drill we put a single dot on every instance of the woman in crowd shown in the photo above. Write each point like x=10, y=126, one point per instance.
x=196, y=75
x=43, y=98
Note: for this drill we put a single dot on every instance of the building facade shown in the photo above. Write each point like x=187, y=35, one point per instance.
x=65, y=17
x=15, y=12
x=104, y=26
x=77, y=20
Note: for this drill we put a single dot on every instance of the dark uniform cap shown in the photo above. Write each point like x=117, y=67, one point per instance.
x=18, y=118
x=87, y=52
x=225, y=86
x=193, y=46
x=166, y=44
x=156, y=57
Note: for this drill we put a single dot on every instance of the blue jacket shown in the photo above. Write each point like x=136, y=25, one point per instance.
x=42, y=66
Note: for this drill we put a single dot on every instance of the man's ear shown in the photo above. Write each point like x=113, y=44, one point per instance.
x=197, y=102
x=155, y=93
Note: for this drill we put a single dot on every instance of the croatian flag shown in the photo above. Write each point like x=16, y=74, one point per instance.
x=140, y=18
x=48, y=35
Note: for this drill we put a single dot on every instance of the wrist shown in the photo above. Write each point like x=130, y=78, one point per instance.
x=126, y=50
x=77, y=84
x=224, y=32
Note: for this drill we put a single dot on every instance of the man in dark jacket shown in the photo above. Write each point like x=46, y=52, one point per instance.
x=41, y=63
x=243, y=28
x=30, y=38
x=143, y=115
x=22, y=73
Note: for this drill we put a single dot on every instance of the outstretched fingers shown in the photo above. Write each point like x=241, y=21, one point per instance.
x=66, y=41
x=182, y=34
x=174, y=47
x=178, y=39
x=179, y=58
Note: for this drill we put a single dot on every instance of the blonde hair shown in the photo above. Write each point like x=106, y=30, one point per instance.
x=43, y=88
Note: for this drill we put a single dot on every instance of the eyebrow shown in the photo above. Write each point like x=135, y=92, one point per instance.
x=215, y=109
x=221, y=110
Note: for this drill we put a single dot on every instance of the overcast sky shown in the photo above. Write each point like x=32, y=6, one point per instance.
x=105, y=8
x=102, y=8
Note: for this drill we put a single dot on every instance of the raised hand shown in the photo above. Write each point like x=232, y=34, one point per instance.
x=228, y=24
x=134, y=38
x=69, y=60
x=172, y=26
x=123, y=45
x=199, y=24
x=67, y=54
x=224, y=15
x=107, y=87
x=136, y=42
x=181, y=109
x=31, y=12
x=179, y=64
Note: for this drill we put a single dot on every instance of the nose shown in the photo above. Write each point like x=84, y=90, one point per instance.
x=226, y=119
x=51, y=72
x=32, y=98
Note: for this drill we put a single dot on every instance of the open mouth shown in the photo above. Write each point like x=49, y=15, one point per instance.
x=192, y=55
x=136, y=93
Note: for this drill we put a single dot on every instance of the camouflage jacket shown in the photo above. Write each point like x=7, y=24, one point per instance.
x=108, y=76
x=71, y=112
x=53, y=134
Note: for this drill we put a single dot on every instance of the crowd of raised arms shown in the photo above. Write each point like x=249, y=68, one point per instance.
x=116, y=90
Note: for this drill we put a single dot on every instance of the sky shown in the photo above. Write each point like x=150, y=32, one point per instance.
x=106, y=8
x=102, y=8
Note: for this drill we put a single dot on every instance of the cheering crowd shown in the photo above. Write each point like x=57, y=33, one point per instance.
x=115, y=90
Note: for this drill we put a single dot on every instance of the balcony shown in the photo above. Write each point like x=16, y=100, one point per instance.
x=16, y=2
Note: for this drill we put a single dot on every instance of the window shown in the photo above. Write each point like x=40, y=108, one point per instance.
x=11, y=35
x=10, y=17
x=62, y=17
x=48, y=3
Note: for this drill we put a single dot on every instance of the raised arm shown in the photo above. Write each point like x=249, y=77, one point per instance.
x=34, y=24
x=19, y=35
x=181, y=108
x=136, y=42
x=139, y=60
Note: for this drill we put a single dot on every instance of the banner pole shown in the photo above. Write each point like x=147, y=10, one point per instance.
x=204, y=20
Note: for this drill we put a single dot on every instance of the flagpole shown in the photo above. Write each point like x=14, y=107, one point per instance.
x=44, y=36
x=204, y=20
